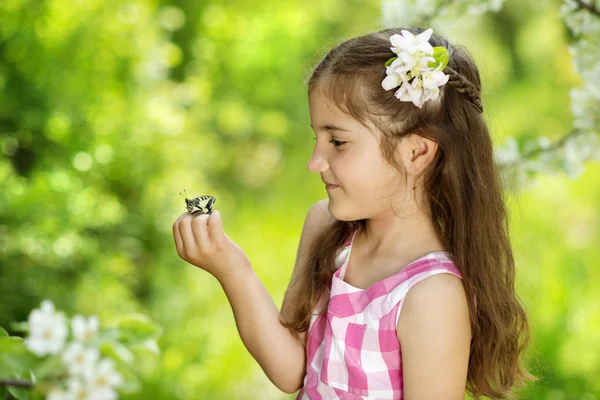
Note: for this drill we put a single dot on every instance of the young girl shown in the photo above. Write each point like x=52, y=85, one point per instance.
x=404, y=285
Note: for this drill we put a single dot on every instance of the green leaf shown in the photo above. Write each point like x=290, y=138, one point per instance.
x=18, y=393
x=149, y=345
x=440, y=53
x=117, y=351
x=51, y=366
x=390, y=61
x=131, y=382
x=3, y=332
x=135, y=328
x=15, y=359
x=20, y=326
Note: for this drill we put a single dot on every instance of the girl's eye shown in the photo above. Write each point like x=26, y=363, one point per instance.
x=336, y=143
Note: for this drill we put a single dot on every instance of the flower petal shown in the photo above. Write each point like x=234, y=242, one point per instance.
x=398, y=42
x=426, y=48
x=390, y=82
x=425, y=35
x=408, y=36
x=48, y=306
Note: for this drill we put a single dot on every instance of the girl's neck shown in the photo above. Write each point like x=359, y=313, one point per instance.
x=398, y=236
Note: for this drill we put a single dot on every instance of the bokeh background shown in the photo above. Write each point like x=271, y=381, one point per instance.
x=110, y=109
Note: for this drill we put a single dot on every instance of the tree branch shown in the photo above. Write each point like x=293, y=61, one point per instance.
x=584, y=6
x=541, y=150
x=16, y=383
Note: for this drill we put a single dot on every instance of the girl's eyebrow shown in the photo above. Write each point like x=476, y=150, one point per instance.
x=331, y=127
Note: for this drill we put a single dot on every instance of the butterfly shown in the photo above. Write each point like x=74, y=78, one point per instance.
x=200, y=204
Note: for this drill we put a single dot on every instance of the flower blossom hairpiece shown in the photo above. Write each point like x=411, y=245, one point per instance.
x=417, y=68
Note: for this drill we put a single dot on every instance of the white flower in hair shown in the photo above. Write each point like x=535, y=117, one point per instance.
x=411, y=43
x=417, y=69
x=432, y=80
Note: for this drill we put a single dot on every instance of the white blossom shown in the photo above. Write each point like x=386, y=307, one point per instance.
x=79, y=359
x=59, y=394
x=47, y=330
x=103, y=378
x=411, y=43
x=478, y=7
x=414, y=54
x=432, y=80
x=78, y=390
x=507, y=153
x=84, y=330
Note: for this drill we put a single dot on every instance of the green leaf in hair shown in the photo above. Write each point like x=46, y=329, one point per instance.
x=441, y=56
x=390, y=61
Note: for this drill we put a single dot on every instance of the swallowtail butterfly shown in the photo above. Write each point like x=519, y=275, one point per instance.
x=200, y=205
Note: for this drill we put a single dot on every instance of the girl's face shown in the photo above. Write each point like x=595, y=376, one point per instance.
x=353, y=161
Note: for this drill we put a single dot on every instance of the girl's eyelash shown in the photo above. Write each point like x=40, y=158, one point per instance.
x=336, y=143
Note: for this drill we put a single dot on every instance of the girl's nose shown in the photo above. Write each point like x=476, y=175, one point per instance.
x=316, y=163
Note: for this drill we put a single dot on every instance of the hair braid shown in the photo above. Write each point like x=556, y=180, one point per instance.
x=462, y=85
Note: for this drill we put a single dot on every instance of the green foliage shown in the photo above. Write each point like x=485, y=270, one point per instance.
x=441, y=58
x=130, y=342
x=136, y=329
x=18, y=393
x=15, y=360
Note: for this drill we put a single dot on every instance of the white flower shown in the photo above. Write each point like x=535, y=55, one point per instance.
x=411, y=43
x=59, y=394
x=83, y=330
x=78, y=359
x=404, y=63
x=411, y=92
x=411, y=71
x=47, y=330
x=103, y=378
x=78, y=391
x=407, y=66
x=432, y=80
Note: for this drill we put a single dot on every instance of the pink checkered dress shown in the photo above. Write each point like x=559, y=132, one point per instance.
x=352, y=350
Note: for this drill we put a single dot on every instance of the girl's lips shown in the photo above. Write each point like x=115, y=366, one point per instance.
x=329, y=186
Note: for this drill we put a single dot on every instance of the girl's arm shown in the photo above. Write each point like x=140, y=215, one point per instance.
x=435, y=334
x=280, y=352
x=277, y=350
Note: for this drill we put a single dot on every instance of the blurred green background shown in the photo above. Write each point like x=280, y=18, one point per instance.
x=110, y=109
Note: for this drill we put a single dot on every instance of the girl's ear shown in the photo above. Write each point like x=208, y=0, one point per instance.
x=418, y=153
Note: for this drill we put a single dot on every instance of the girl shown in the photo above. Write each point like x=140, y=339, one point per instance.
x=404, y=280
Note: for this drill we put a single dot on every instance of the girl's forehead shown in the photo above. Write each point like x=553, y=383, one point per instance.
x=327, y=115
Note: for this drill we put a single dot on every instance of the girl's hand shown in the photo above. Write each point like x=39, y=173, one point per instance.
x=201, y=241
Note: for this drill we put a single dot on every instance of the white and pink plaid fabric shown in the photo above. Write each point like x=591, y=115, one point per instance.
x=352, y=350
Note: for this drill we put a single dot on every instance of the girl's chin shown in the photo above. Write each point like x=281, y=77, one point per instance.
x=338, y=213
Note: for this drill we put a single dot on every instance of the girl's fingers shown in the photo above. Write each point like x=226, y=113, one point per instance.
x=185, y=229
x=215, y=228
x=177, y=236
x=200, y=231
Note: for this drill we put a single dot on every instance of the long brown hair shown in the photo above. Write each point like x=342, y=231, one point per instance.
x=464, y=190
